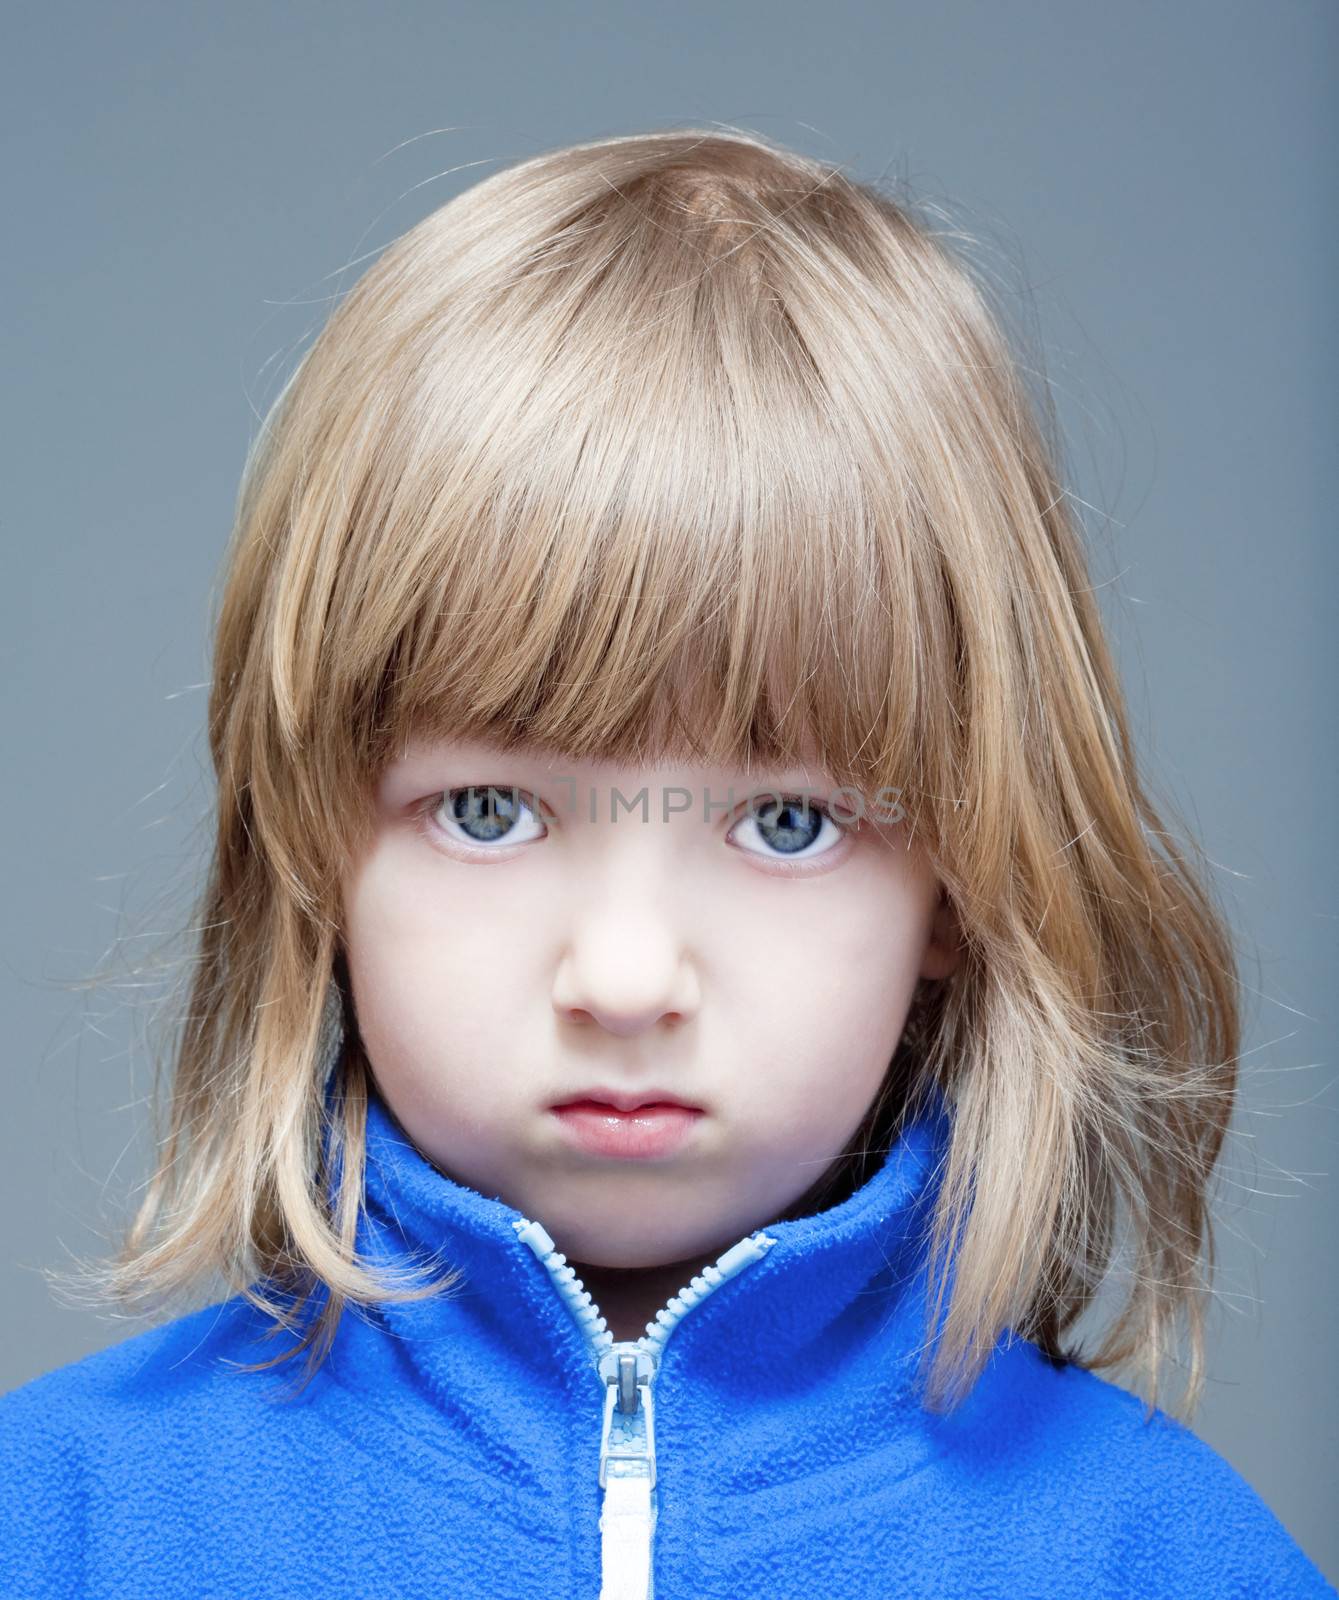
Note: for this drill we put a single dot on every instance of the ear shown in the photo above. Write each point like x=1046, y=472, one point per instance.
x=943, y=947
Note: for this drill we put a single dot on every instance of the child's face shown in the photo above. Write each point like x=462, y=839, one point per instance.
x=503, y=964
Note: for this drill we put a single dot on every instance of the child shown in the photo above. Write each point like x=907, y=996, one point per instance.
x=657, y=669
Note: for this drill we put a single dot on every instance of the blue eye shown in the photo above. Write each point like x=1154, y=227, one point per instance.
x=777, y=827
x=791, y=825
x=486, y=813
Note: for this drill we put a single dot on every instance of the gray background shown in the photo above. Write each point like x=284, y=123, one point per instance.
x=183, y=185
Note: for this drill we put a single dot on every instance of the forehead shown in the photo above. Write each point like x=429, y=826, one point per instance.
x=430, y=753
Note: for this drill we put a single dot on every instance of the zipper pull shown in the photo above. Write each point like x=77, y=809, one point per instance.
x=627, y=1473
x=628, y=1437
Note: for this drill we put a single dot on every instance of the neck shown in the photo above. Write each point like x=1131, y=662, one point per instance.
x=629, y=1297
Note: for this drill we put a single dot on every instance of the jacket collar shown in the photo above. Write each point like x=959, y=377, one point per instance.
x=849, y=1273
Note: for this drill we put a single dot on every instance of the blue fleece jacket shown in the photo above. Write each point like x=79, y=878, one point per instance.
x=764, y=1440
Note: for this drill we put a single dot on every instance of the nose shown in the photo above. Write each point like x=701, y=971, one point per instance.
x=626, y=974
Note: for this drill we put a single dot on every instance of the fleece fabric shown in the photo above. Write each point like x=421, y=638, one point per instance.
x=450, y=1448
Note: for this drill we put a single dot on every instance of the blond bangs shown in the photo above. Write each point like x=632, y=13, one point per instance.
x=652, y=528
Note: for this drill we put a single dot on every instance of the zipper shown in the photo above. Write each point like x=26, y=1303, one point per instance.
x=627, y=1371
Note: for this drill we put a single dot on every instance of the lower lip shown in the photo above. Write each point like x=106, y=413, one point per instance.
x=639, y=1135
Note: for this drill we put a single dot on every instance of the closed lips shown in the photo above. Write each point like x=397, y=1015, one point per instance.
x=611, y=1100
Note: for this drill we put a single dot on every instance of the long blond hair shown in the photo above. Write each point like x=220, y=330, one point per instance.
x=685, y=441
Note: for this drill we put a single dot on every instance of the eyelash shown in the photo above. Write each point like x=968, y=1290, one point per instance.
x=425, y=810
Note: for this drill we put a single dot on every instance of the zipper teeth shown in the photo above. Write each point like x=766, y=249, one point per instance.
x=627, y=1442
x=748, y=1250
x=587, y=1314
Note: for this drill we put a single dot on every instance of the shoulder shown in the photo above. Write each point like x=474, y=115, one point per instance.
x=1175, y=1516
x=1191, y=1512
x=175, y=1360
x=73, y=1437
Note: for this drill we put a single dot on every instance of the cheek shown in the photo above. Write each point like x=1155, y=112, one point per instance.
x=826, y=990
x=432, y=986
x=851, y=954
